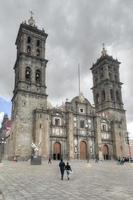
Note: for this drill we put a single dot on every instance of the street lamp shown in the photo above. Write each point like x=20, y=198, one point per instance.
x=87, y=138
x=2, y=142
x=127, y=140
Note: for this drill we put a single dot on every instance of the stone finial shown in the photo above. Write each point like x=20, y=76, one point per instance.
x=31, y=21
x=81, y=97
x=104, y=51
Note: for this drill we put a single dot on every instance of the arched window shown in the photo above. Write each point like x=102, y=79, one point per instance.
x=38, y=43
x=111, y=94
x=28, y=39
x=28, y=74
x=116, y=78
x=38, y=76
x=97, y=98
x=28, y=49
x=103, y=95
x=37, y=52
x=117, y=96
x=57, y=122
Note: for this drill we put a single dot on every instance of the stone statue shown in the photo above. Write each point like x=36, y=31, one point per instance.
x=35, y=149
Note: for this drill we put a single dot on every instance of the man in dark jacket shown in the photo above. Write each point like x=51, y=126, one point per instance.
x=62, y=168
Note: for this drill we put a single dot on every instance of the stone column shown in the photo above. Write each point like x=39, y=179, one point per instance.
x=45, y=136
x=70, y=137
x=98, y=141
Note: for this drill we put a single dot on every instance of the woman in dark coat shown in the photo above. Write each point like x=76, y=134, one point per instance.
x=62, y=168
x=68, y=169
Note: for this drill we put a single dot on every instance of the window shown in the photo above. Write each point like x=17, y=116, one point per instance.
x=28, y=74
x=117, y=96
x=28, y=49
x=37, y=52
x=97, y=98
x=38, y=76
x=57, y=122
x=28, y=39
x=82, y=124
x=40, y=126
x=103, y=95
x=109, y=67
x=81, y=110
x=116, y=78
x=104, y=127
x=38, y=43
x=111, y=94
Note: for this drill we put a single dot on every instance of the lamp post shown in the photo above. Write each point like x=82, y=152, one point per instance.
x=87, y=138
x=2, y=142
x=127, y=139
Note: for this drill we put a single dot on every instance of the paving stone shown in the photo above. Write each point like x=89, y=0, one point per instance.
x=103, y=180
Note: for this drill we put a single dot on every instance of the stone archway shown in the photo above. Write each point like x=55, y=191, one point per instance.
x=105, y=151
x=83, y=150
x=57, y=151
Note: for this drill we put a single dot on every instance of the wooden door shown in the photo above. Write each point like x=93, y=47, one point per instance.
x=57, y=151
x=105, y=151
x=83, y=150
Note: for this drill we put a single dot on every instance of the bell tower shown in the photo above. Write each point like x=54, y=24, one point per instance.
x=107, y=96
x=30, y=85
x=106, y=83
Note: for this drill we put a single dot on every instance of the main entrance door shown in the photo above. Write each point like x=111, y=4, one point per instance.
x=57, y=151
x=83, y=150
x=105, y=152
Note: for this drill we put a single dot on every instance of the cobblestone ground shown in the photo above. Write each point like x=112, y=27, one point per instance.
x=99, y=181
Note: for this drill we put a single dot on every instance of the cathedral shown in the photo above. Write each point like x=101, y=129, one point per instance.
x=76, y=130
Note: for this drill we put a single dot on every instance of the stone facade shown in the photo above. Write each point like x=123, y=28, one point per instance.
x=75, y=130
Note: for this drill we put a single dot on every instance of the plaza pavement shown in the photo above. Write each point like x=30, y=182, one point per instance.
x=93, y=181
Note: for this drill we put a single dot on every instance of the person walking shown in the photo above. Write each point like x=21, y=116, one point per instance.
x=68, y=169
x=49, y=160
x=62, y=168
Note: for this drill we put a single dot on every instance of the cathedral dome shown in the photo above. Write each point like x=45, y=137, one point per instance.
x=80, y=99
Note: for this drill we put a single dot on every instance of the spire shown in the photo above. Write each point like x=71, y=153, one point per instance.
x=31, y=21
x=104, y=51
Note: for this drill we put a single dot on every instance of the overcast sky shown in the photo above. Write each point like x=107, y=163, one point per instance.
x=76, y=30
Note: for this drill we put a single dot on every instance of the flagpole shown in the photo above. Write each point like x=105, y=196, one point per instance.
x=79, y=78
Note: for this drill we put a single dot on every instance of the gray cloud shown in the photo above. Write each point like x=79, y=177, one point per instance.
x=76, y=31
